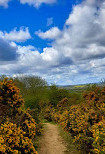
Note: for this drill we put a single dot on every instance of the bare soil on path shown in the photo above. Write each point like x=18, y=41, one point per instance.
x=51, y=142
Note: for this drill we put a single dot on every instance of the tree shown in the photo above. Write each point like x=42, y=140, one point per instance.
x=56, y=94
x=34, y=83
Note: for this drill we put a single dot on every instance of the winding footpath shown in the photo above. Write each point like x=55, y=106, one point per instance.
x=51, y=142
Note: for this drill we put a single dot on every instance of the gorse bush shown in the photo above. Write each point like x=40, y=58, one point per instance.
x=29, y=126
x=13, y=140
x=85, y=121
x=10, y=97
x=83, y=117
x=17, y=126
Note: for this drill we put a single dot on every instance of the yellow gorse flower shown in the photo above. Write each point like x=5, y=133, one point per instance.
x=15, y=137
x=86, y=121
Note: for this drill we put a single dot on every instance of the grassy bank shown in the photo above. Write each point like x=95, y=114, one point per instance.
x=71, y=147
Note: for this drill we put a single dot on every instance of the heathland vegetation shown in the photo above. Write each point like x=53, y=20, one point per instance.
x=80, y=113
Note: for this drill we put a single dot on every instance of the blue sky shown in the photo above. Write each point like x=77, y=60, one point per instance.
x=60, y=40
x=18, y=15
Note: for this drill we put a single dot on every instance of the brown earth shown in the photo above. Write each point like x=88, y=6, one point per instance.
x=51, y=142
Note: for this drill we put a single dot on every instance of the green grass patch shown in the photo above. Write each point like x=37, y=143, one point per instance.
x=71, y=147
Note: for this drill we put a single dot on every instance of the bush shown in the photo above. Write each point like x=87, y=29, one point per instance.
x=13, y=140
x=56, y=95
x=10, y=97
x=18, y=128
x=85, y=121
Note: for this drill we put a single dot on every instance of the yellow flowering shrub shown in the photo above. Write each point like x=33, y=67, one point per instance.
x=2, y=145
x=64, y=120
x=48, y=113
x=17, y=126
x=13, y=140
x=29, y=125
x=35, y=115
x=85, y=121
x=98, y=131
x=10, y=96
x=62, y=104
x=56, y=116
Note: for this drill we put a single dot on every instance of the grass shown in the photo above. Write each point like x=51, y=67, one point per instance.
x=46, y=121
x=71, y=147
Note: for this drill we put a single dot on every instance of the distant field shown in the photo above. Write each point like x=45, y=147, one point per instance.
x=75, y=87
x=80, y=88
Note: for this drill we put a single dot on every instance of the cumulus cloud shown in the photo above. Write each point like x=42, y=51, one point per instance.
x=84, y=32
x=37, y=3
x=81, y=41
x=16, y=35
x=77, y=54
x=52, y=33
x=4, y=3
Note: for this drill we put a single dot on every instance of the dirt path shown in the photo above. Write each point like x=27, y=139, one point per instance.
x=51, y=142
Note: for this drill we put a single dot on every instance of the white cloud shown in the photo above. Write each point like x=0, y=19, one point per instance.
x=52, y=33
x=77, y=54
x=81, y=41
x=37, y=3
x=15, y=35
x=4, y=3
x=83, y=34
x=50, y=56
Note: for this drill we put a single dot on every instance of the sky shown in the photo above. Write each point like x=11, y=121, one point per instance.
x=62, y=41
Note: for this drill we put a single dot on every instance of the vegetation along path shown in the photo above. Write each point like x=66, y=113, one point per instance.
x=51, y=142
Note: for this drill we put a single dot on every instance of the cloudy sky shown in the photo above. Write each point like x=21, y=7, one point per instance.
x=63, y=41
